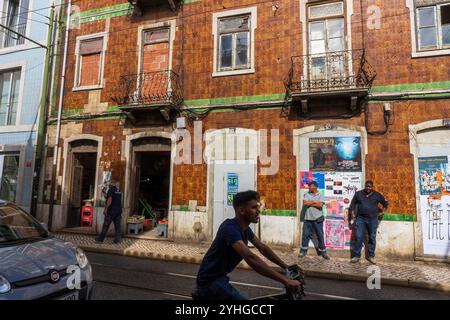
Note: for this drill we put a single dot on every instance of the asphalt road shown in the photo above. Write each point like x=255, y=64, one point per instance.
x=128, y=278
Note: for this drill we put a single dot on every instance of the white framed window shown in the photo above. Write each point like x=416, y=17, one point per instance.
x=90, y=61
x=14, y=16
x=433, y=27
x=9, y=96
x=430, y=27
x=326, y=41
x=234, y=42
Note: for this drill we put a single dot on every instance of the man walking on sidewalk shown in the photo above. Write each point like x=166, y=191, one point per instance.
x=112, y=213
x=313, y=203
x=365, y=207
x=230, y=247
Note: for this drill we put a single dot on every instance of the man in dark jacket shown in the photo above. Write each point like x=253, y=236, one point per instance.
x=112, y=213
x=367, y=206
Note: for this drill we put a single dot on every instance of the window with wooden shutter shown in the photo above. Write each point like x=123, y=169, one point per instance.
x=90, y=62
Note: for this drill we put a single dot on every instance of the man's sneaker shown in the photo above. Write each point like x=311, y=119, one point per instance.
x=371, y=260
x=325, y=256
x=355, y=260
x=117, y=241
x=302, y=254
x=98, y=240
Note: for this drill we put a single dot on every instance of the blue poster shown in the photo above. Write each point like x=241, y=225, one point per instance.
x=232, y=187
x=348, y=153
x=432, y=172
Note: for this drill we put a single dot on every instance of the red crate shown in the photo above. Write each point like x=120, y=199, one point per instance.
x=87, y=214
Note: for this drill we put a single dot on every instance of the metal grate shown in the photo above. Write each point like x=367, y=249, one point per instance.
x=149, y=88
x=330, y=71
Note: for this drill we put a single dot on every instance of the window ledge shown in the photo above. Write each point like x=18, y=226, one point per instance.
x=431, y=53
x=232, y=73
x=87, y=88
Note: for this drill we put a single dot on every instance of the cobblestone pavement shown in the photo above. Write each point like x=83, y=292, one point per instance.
x=409, y=273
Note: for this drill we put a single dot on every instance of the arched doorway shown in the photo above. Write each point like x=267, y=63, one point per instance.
x=149, y=177
x=81, y=171
x=430, y=145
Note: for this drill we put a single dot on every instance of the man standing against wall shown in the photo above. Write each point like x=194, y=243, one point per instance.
x=365, y=207
x=313, y=203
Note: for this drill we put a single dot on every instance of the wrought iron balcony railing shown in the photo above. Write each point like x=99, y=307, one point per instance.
x=143, y=90
x=342, y=71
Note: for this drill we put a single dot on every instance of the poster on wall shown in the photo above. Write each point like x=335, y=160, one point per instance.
x=334, y=184
x=435, y=216
x=348, y=153
x=335, y=234
x=307, y=176
x=339, y=162
x=322, y=156
x=232, y=187
x=447, y=178
x=335, y=209
x=433, y=174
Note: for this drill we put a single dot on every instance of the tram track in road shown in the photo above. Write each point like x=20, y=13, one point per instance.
x=145, y=289
x=275, y=290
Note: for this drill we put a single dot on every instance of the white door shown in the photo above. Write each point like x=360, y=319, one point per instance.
x=230, y=177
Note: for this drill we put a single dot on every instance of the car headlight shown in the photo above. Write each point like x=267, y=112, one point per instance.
x=81, y=258
x=5, y=286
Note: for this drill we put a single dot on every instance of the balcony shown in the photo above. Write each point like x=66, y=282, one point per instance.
x=140, y=5
x=340, y=74
x=159, y=90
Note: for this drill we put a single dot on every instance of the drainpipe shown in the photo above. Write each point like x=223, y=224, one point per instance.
x=43, y=110
x=58, y=126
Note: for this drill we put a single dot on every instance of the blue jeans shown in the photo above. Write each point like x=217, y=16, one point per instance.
x=116, y=219
x=309, y=227
x=219, y=289
x=363, y=225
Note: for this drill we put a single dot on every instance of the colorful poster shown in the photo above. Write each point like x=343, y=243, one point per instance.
x=305, y=178
x=348, y=153
x=334, y=234
x=435, y=216
x=232, y=187
x=433, y=173
x=335, y=209
x=322, y=155
x=308, y=176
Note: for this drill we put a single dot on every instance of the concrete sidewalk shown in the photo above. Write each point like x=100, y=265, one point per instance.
x=415, y=274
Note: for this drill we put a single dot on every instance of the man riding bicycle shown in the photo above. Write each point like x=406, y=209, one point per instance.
x=231, y=246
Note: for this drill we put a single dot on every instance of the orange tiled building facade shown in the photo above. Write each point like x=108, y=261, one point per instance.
x=142, y=74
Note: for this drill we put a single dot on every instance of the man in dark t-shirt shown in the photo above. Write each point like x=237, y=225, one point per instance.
x=367, y=207
x=230, y=247
x=112, y=213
